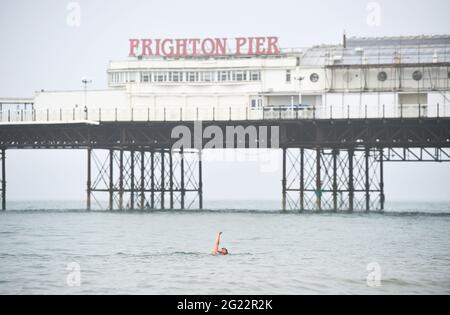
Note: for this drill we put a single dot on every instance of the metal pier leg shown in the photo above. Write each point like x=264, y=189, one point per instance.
x=302, y=179
x=318, y=180
x=142, y=196
x=200, y=180
x=335, y=185
x=3, y=157
x=132, y=181
x=183, y=190
x=382, y=196
x=89, y=180
x=284, y=182
x=367, y=179
x=152, y=178
x=111, y=180
x=351, y=184
x=163, y=182
x=121, y=179
x=171, y=178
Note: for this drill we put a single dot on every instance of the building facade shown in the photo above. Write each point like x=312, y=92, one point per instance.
x=361, y=77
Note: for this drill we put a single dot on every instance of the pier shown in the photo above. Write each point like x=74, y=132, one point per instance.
x=329, y=164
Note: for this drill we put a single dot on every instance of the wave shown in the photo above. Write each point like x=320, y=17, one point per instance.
x=400, y=213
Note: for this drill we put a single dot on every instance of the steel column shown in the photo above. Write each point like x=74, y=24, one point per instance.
x=111, y=180
x=163, y=183
x=171, y=178
x=121, y=188
x=183, y=189
x=200, y=180
x=318, y=180
x=89, y=179
x=335, y=183
x=367, y=178
x=152, y=180
x=284, y=181
x=302, y=179
x=142, y=196
x=382, y=196
x=3, y=179
x=351, y=184
x=132, y=180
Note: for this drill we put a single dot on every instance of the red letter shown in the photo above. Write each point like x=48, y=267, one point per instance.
x=146, y=47
x=221, y=46
x=208, y=43
x=240, y=41
x=194, y=42
x=181, y=47
x=260, y=50
x=134, y=44
x=164, y=47
x=273, y=46
x=250, y=45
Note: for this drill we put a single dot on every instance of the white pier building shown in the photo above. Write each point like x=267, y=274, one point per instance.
x=361, y=77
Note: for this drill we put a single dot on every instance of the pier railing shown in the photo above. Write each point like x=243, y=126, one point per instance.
x=64, y=115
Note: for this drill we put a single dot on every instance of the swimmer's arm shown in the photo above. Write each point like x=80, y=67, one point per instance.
x=217, y=243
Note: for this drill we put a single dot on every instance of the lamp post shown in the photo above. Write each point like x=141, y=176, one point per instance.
x=300, y=79
x=85, y=83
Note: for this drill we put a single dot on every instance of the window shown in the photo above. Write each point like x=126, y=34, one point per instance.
x=347, y=77
x=314, y=77
x=177, y=76
x=192, y=76
x=413, y=98
x=131, y=77
x=253, y=103
x=187, y=76
x=161, y=77
x=224, y=75
x=119, y=77
x=208, y=76
x=417, y=75
x=239, y=75
x=288, y=76
x=145, y=77
x=298, y=62
x=255, y=76
x=382, y=76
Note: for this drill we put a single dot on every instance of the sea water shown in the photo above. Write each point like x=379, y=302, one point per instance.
x=46, y=249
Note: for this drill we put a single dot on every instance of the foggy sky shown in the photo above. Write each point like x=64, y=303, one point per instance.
x=40, y=50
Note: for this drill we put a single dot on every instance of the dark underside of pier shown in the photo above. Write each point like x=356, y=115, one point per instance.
x=343, y=133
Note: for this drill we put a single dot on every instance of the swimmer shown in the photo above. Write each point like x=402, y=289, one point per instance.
x=216, y=250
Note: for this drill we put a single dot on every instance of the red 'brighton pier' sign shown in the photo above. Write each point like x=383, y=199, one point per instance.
x=204, y=47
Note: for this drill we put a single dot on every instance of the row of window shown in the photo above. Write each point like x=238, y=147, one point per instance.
x=184, y=76
x=416, y=76
x=382, y=76
x=219, y=76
